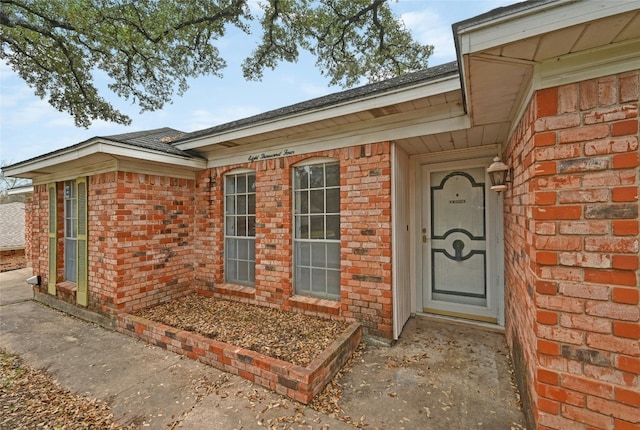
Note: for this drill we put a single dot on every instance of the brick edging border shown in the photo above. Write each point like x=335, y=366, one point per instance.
x=296, y=382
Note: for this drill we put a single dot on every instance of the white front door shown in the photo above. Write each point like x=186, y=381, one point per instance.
x=458, y=242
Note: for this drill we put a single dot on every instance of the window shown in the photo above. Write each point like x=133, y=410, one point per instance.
x=240, y=228
x=316, y=244
x=70, y=231
x=76, y=229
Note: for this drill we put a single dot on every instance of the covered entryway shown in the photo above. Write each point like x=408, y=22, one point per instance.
x=459, y=229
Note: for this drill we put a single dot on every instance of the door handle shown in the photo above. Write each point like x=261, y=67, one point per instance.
x=425, y=239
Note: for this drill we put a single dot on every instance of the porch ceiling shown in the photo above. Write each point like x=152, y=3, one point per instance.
x=498, y=65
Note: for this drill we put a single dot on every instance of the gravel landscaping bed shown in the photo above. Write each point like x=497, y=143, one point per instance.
x=30, y=398
x=287, y=336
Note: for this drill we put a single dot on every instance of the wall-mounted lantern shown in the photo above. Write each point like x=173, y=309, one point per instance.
x=499, y=175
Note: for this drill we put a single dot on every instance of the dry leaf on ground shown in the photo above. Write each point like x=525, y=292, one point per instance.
x=288, y=336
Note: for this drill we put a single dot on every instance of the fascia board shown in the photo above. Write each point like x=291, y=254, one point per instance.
x=537, y=21
x=580, y=66
x=101, y=146
x=450, y=83
x=319, y=142
x=119, y=150
x=19, y=191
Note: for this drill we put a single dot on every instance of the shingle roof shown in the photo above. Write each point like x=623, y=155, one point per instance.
x=12, y=225
x=164, y=139
x=500, y=12
x=158, y=139
x=409, y=79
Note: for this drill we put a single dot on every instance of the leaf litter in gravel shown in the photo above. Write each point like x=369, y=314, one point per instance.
x=288, y=336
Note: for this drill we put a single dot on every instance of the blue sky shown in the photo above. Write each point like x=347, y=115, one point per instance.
x=30, y=127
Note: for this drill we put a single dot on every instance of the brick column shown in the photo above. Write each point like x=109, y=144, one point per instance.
x=572, y=266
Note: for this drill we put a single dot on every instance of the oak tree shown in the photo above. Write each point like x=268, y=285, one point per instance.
x=149, y=49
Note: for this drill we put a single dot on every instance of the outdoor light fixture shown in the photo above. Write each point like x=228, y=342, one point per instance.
x=498, y=173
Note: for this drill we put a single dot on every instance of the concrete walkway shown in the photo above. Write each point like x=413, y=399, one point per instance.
x=438, y=376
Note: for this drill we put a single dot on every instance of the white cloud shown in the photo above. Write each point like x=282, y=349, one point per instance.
x=428, y=27
x=34, y=111
x=5, y=71
x=431, y=24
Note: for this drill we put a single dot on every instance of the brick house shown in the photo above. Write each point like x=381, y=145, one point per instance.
x=374, y=203
x=12, y=236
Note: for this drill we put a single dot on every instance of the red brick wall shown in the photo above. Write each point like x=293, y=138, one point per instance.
x=38, y=207
x=140, y=240
x=39, y=210
x=12, y=259
x=520, y=281
x=365, y=235
x=150, y=237
x=571, y=251
x=28, y=228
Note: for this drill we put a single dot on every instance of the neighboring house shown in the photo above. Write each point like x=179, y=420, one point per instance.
x=12, y=236
x=374, y=203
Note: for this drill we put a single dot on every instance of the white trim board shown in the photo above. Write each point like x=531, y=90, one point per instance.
x=537, y=21
x=589, y=64
x=323, y=141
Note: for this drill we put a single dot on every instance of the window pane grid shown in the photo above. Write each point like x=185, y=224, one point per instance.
x=318, y=268
x=240, y=230
x=70, y=231
x=317, y=230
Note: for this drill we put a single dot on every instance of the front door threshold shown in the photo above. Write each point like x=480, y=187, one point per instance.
x=462, y=318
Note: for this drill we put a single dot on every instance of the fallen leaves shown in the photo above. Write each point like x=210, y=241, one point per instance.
x=30, y=398
x=327, y=401
x=288, y=336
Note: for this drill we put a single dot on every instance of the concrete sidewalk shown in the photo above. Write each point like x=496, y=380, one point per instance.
x=438, y=376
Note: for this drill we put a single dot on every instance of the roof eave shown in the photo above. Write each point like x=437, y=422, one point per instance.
x=528, y=19
x=448, y=82
x=99, y=145
x=20, y=191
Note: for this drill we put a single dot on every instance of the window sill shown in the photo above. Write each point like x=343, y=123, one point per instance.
x=236, y=290
x=67, y=288
x=315, y=305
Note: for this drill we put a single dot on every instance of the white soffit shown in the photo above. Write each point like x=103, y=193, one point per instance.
x=537, y=21
x=501, y=57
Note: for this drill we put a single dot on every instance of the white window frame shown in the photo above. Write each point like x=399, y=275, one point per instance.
x=317, y=253
x=239, y=246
